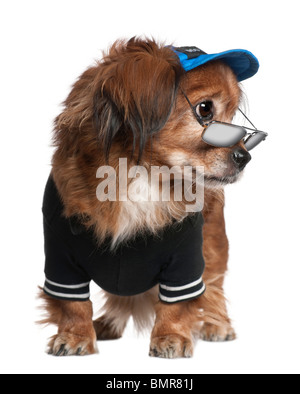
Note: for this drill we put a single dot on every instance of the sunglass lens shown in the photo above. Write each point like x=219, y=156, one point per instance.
x=223, y=135
x=254, y=140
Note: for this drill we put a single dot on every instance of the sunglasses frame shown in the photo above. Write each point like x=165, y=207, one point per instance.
x=247, y=136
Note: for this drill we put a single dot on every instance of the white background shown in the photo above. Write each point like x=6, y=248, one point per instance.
x=45, y=45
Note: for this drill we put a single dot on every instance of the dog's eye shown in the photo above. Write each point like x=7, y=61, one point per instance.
x=205, y=110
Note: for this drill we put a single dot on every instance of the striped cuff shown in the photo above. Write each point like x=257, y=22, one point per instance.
x=78, y=292
x=172, y=294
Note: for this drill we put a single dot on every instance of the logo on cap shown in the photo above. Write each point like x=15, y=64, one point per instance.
x=191, y=52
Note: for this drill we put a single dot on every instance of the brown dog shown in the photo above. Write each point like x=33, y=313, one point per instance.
x=130, y=105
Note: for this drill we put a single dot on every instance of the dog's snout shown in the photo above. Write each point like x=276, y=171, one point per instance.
x=240, y=158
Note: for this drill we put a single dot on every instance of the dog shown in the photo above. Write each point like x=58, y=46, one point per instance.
x=132, y=105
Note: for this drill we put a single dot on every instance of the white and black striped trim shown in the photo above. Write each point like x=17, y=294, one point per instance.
x=172, y=294
x=75, y=292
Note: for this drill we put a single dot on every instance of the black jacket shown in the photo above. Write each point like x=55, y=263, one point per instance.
x=173, y=258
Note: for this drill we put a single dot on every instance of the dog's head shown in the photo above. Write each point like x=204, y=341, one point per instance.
x=139, y=106
x=132, y=103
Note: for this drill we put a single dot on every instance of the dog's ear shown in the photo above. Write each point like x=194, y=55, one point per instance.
x=136, y=91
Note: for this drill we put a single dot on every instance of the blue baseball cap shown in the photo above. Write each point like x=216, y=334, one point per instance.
x=243, y=63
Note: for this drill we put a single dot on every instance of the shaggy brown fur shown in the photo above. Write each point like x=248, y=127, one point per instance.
x=130, y=104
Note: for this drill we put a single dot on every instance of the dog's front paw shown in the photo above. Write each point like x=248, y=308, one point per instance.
x=171, y=346
x=212, y=333
x=68, y=344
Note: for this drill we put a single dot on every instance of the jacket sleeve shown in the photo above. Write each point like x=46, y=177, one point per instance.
x=181, y=279
x=64, y=280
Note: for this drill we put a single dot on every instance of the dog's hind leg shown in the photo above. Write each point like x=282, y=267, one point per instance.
x=117, y=310
x=112, y=323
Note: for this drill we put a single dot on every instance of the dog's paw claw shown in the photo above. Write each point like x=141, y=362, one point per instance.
x=171, y=346
x=78, y=352
x=61, y=351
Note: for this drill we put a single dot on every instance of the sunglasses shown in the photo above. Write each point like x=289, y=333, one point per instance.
x=226, y=135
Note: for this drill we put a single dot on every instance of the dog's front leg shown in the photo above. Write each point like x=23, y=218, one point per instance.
x=172, y=334
x=217, y=325
x=76, y=334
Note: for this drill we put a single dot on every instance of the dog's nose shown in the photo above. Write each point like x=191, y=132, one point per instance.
x=240, y=158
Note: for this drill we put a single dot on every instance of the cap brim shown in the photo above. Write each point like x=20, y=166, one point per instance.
x=243, y=63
